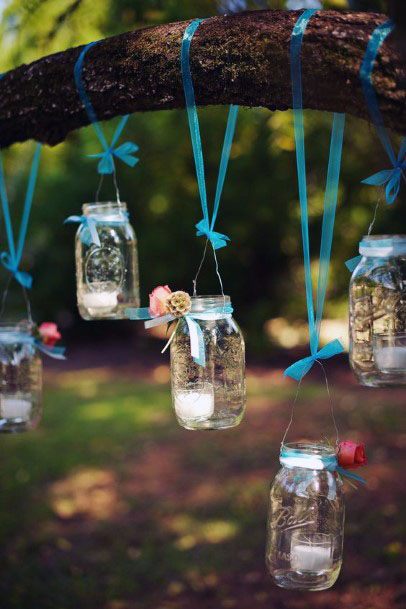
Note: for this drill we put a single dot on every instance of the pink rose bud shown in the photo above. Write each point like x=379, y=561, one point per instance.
x=351, y=455
x=157, y=300
x=49, y=333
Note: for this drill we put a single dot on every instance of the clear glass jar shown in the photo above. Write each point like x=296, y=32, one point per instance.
x=20, y=378
x=378, y=312
x=211, y=396
x=305, y=520
x=106, y=274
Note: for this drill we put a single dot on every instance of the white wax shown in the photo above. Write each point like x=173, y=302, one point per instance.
x=15, y=408
x=390, y=358
x=194, y=405
x=310, y=558
x=101, y=302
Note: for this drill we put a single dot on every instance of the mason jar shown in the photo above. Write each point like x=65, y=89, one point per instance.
x=378, y=312
x=21, y=378
x=106, y=272
x=306, y=518
x=211, y=396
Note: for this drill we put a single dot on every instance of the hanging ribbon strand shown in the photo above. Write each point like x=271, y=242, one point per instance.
x=11, y=259
x=205, y=227
x=389, y=177
x=125, y=152
x=301, y=367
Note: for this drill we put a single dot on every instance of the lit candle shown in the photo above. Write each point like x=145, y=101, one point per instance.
x=15, y=408
x=194, y=405
x=390, y=359
x=308, y=557
x=100, y=302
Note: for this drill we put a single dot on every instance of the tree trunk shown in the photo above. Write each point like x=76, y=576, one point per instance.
x=240, y=59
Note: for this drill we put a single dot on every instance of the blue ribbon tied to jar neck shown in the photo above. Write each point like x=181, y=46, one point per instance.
x=197, y=348
x=290, y=457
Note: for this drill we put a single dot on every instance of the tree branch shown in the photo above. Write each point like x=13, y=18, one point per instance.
x=241, y=59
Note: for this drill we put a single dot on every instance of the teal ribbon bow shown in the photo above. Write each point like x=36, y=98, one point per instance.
x=92, y=237
x=352, y=263
x=205, y=227
x=197, y=348
x=290, y=457
x=125, y=152
x=390, y=177
x=11, y=259
x=302, y=367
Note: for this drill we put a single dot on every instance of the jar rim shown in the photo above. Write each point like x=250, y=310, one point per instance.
x=24, y=325
x=209, y=301
x=104, y=207
x=382, y=246
x=310, y=448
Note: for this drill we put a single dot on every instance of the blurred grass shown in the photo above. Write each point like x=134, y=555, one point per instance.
x=110, y=505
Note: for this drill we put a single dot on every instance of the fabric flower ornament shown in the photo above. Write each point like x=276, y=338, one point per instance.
x=158, y=300
x=49, y=333
x=351, y=455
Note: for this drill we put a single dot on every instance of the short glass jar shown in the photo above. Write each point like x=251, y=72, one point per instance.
x=306, y=519
x=20, y=378
x=211, y=396
x=378, y=312
x=107, y=273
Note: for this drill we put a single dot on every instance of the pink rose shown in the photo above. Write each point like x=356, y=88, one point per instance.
x=49, y=333
x=351, y=455
x=157, y=300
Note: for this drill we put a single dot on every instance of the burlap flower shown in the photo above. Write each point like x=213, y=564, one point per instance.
x=178, y=303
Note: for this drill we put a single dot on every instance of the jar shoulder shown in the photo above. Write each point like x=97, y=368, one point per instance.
x=307, y=483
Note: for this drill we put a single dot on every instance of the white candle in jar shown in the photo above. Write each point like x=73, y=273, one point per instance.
x=101, y=302
x=308, y=557
x=12, y=407
x=390, y=358
x=194, y=404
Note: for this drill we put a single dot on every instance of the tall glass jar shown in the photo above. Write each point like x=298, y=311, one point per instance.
x=20, y=378
x=210, y=396
x=378, y=312
x=306, y=519
x=106, y=273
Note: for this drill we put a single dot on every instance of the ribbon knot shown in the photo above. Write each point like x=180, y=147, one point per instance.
x=125, y=152
x=300, y=368
x=90, y=223
x=217, y=240
x=390, y=177
x=10, y=264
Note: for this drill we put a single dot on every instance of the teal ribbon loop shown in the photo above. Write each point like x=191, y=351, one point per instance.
x=291, y=458
x=300, y=368
x=205, y=227
x=54, y=352
x=218, y=240
x=92, y=237
x=352, y=263
x=22, y=277
x=390, y=177
x=197, y=348
x=125, y=152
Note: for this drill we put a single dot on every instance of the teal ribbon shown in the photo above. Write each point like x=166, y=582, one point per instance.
x=205, y=227
x=92, y=236
x=301, y=367
x=352, y=263
x=11, y=259
x=54, y=352
x=290, y=457
x=197, y=348
x=125, y=152
x=390, y=177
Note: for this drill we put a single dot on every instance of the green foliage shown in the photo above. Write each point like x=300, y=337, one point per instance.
x=262, y=267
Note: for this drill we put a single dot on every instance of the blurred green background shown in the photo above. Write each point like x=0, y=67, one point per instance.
x=262, y=267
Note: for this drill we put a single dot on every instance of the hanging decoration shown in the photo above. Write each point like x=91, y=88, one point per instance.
x=378, y=312
x=207, y=347
x=306, y=510
x=390, y=178
x=106, y=255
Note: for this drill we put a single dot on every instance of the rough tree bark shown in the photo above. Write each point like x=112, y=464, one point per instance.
x=241, y=59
